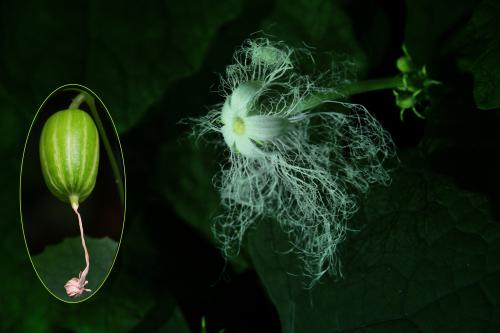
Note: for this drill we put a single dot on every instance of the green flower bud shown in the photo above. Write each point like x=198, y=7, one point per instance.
x=404, y=64
x=404, y=100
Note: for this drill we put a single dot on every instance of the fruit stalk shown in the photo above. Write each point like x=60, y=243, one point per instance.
x=87, y=259
x=76, y=286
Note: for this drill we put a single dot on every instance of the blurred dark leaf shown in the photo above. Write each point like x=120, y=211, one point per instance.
x=426, y=260
x=321, y=24
x=175, y=324
x=373, y=31
x=184, y=175
x=462, y=141
x=479, y=50
x=430, y=24
x=128, y=60
x=58, y=263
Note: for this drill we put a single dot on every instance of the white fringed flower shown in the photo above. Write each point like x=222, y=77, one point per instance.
x=289, y=159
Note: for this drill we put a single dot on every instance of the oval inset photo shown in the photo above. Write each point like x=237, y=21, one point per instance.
x=72, y=193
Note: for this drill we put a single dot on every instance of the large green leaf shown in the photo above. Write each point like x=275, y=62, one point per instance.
x=58, y=263
x=128, y=60
x=426, y=259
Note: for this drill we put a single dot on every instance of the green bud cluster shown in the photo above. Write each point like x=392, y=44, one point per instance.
x=414, y=91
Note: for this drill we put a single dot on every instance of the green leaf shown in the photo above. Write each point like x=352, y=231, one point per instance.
x=58, y=263
x=479, y=48
x=128, y=60
x=426, y=259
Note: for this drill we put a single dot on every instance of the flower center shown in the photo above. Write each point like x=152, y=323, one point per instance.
x=238, y=126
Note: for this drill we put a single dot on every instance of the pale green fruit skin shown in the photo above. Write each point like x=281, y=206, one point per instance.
x=69, y=155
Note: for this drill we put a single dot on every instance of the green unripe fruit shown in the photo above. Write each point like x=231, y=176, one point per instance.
x=69, y=155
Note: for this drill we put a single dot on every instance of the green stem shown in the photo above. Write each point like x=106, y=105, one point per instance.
x=89, y=100
x=373, y=85
x=75, y=103
x=352, y=89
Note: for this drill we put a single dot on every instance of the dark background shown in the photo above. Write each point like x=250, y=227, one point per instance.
x=428, y=256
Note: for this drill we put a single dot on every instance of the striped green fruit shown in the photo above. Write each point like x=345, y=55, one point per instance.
x=69, y=155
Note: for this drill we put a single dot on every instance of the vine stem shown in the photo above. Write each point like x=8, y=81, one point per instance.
x=75, y=103
x=373, y=85
x=352, y=89
x=89, y=100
